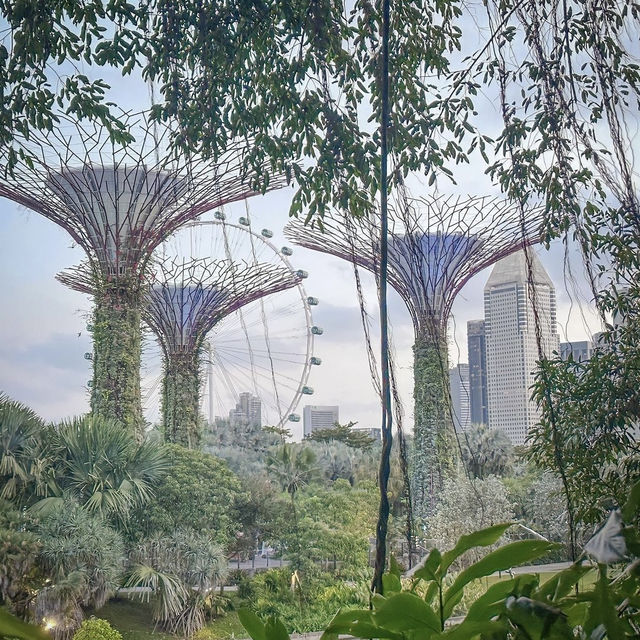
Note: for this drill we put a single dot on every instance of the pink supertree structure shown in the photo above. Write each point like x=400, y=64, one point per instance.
x=435, y=246
x=184, y=300
x=118, y=202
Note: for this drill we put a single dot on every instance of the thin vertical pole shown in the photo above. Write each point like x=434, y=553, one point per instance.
x=210, y=374
x=387, y=415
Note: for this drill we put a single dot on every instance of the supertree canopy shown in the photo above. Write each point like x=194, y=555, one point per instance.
x=118, y=203
x=186, y=300
x=434, y=247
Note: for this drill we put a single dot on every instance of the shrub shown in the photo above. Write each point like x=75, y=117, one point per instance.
x=96, y=629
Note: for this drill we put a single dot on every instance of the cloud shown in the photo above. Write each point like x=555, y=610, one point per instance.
x=64, y=351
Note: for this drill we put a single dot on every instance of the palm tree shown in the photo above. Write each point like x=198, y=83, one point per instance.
x=335, y=459
x=20, y=430
x=182, y=571
x=83, y=559
x=292, y=469
x=486, y=452
x=102, y=467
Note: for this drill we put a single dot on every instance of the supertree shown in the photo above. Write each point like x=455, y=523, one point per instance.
x=435, y=247
x=186, y=301
x=118, y=202
x=183, y=302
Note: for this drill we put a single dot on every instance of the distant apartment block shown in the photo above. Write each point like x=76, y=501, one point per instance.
x=460, y=407
x=373, y=432
x=319, y=417
x=580, y=350
x=248, y=410
x=511, y=344
x=478, y=398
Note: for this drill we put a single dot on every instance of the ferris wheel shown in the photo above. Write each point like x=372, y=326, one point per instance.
x=265, y=348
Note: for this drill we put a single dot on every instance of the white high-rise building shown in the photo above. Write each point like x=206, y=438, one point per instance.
x=319, y=417
x=511, y=344
x=460, y=396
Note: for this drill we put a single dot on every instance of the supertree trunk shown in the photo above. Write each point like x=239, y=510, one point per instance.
x=434, y=454
x=116, y=357
x=181, y=400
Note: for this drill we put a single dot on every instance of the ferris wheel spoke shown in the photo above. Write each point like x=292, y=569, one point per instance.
x=265, y=347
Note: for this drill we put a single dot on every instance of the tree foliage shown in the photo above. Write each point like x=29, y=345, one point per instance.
x=292, y=467
x=92, y=460
x=84, y=559
x=343, y=433
x=101, y=466
x=19, y=552
x=486, y=452
x=197, y=491
x=41, y=48
x=20, y=429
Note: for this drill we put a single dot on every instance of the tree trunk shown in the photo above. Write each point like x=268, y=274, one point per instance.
x=435, y=451
x=181, y=400
x=116, y=357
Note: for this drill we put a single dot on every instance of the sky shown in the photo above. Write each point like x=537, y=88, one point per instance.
x=44, y=338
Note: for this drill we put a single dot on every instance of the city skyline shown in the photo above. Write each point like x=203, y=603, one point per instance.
x=42, y=364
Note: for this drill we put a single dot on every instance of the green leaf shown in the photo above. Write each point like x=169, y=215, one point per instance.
x=510, y=555
x=432, y=592
x=275, y=630
x=561, y=583
x=343, y=621
x=632, y=505
x=481, y=538
x=254, y=626
x=391, y=583
x=11, y=627
x=394, y=568
x=431, y=564
x=602, y=611
x=406, y=611
x=491, y=602
x=358, y=623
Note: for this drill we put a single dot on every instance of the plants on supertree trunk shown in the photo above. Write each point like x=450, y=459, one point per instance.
x=115, y=393
x=181, y=399
x=434, y=455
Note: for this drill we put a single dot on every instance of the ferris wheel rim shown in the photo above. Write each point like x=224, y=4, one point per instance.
x=310, y=342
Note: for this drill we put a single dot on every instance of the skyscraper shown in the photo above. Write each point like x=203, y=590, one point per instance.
x=459, y=384
x=248, y=410
x=319, y=417
x=477, y=372
x=511, y=344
